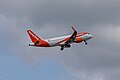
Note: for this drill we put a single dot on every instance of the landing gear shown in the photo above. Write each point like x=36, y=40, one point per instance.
x=85, y=43
x=67, y=46
x=62, y=48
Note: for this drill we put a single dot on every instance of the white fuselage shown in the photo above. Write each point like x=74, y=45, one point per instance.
x=54, y=41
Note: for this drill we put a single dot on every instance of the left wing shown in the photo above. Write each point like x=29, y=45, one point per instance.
x=70, y=40
x=72, y=37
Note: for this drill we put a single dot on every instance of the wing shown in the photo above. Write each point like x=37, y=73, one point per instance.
x=72, y=37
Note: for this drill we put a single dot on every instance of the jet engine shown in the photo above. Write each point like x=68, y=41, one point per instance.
x=78, y=40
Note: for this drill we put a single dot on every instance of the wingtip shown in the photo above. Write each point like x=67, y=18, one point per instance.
x=73, y=28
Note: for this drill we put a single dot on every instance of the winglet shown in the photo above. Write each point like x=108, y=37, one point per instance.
x=74, y=29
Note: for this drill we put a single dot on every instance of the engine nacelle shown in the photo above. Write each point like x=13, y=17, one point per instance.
x=78, y=40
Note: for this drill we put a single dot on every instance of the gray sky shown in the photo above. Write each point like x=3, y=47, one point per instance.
x=99, y=60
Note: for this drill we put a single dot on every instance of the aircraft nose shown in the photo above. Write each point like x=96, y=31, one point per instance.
x=90, y=36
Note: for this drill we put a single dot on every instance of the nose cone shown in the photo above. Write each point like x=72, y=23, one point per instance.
x=90, y=36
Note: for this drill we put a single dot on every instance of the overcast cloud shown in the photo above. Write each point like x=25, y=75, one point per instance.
x=99, y=60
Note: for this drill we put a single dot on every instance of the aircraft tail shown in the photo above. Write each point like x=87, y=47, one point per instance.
x=35, y=39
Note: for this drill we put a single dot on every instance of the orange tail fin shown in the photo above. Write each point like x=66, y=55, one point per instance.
x=33, y=36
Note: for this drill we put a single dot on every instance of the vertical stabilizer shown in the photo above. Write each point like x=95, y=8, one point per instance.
x=33, y=36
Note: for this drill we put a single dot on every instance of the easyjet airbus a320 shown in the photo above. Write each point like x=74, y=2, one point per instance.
x=63, y=41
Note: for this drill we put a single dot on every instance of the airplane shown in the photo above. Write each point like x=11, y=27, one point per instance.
x=63, y=41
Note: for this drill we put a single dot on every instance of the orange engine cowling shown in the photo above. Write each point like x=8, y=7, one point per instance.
x=78, y=40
